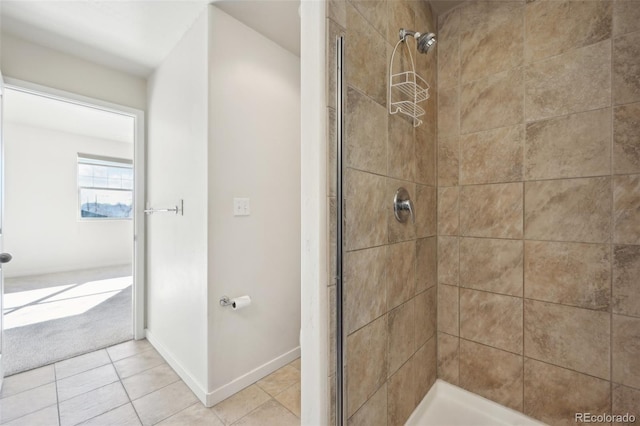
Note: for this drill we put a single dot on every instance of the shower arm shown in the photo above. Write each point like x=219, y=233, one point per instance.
x=404, y=33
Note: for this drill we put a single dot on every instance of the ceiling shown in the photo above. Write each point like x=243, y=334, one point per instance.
x=136, y=35
x=48, y=113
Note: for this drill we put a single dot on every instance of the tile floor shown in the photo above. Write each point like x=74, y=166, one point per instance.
x=131, y=384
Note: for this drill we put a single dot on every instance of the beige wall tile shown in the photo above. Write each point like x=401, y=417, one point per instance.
x=426, y=154
x=571, y=146
x=426, y=316
x=448, y=211
x=577, y=80
x=406, y=231
x=332, y=152
x=553, y=394
x=366, y=57
x=626, y=351
x=401, y=148
x=448, y=358
x=400, y=273
x=448, y=113
x=625, y=400
x=492, y=156
x=495, y=101
x=366, y=212
x=626, y=138
x=426, y=211
x=553, y=27
x=401, y=341
x=448, y=309
x=626, y=284
x=491, y=265
x=373, y=412
x=491, y=38
x=367, y=360
x=491, y=319
x=626, y=69
x=448, y=160
x=626, y=209
x=365, y=282
x=400, y=15
x=425, y=363
x=401, y=394
x=448, y=260
x=568, y=210
x=448, y=49
x=426, y=263
x=569, y=337
x=337, y=11
x=374, y=11
x=491, y=210
x=491, y=373
x=332, y=217
x=365, y=133
x=569, y=273
x=331, y=295
x=626, y=16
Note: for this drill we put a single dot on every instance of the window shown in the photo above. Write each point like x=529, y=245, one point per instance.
x=105, y=187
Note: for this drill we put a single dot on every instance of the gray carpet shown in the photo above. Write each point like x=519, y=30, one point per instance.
x=105, y=324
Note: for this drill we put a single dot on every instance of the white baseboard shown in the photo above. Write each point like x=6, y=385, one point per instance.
x=193, y=384
x=225, y=391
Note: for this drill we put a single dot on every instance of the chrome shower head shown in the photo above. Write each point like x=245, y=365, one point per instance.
x=425, y=42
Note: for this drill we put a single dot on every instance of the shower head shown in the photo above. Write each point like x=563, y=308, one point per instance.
x=424, y=42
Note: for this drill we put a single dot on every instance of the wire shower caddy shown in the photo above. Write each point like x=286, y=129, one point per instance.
x=409, y=87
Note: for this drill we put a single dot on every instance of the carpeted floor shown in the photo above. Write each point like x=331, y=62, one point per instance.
x=52, y=317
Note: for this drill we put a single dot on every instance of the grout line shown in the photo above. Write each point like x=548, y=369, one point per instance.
x=55, y=381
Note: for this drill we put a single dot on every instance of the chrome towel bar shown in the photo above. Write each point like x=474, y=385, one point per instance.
x=177, y=210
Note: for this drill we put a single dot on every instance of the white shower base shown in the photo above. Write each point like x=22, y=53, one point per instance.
x=449, y=405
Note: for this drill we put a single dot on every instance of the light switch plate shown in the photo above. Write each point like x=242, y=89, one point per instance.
x=241, y=207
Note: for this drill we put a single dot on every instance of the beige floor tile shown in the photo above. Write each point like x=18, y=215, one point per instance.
x=270, y=413
x=137, y=363
x=81, y=363
x=240, y=404
x=149, y=381
x=91, y=404
x=197, y=414
x=124, y=415
x=290, y=398
x=27, y=380
x=129, y=348
x=85, y=382
x=296, y=363
x=45, y=417
x=27, y=402
x=164, y=403
x=280, y=380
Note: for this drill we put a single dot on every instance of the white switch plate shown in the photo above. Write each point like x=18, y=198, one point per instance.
x=241, y=207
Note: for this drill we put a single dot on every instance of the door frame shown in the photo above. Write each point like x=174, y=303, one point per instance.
x=138, y=255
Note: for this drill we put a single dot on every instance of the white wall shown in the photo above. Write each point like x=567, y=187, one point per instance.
x=30, y=62
x=42, y=230
x=177, y=245
x=254, y=152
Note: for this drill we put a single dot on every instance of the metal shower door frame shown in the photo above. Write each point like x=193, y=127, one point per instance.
x=341, y=361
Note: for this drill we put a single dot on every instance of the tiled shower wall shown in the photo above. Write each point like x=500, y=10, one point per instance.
x=539, y=205
x=390, y=280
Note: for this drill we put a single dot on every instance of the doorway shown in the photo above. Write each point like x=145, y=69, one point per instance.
x=74, y=194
